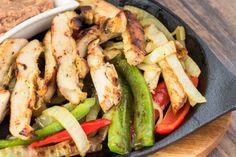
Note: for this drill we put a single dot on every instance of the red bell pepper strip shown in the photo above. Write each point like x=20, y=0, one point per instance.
x=195, y=81
x=161, y=97
x=88, y=128
x=172, y=121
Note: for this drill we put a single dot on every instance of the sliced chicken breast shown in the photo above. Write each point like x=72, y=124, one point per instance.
x=47, y=86
x=64, y=49
x=23, y=97
x=88, y=35
x=4, y=99
x=107, y=16
x=104, y=76
x=177, y=95
x=134, y=40
x=8, y=52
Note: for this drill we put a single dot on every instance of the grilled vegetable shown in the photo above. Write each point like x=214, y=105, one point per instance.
x=182, y=52
x=193, y=94
x=163, y=50
x=93, y=113
x=180, y=34
x=191, y=67
x=151, y=74
x=160, y=95
x=150, y=46
x=173, y=120
x=79, y=112
x=160, y=53
x=156, y=36
x=44, y=120
x=69, y=122
x=119, y=139
x=143, y=109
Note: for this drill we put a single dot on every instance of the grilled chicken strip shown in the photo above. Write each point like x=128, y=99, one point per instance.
x=47, y=87
x=8, y=52
x=104, y=76
x=64, y=49
x=175, y=90
x=4, y=99
x=23, y=97
x=88, y=35
x=110, y=18
x=134, y=40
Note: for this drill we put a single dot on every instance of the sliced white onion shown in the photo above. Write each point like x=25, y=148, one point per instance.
x=150, y=46
x=148, y=67
x=152, y=77
x=158, y=108
x=191, y=67
x=110, y=54
x=68, y=121
x=193, y=94
x=180, y=33
x=160, y=53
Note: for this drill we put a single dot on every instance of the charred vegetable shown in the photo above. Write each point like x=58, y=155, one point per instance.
x=143, y=110
x=79, y=112
x=119, y=139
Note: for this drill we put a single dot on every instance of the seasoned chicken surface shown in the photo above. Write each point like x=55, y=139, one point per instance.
x=4, y=99
x=47, y=87
x=175, y=90
x=23, y=97
x=134, y=40
x=104, y=76
x=8, y=52
x=88, y=35
x=107, y=16
x=64, y=49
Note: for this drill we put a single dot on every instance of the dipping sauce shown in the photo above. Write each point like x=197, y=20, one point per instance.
x=13, y=12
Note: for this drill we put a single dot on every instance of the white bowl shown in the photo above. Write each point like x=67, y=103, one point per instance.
x=39, y=23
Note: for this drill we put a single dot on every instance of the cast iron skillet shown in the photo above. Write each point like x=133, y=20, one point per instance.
x=216, y=83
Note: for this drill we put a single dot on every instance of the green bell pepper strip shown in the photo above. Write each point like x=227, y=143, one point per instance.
x=143, y=109
x=79, y=112
x=119, y=139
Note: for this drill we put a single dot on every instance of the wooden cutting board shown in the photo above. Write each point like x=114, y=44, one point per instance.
x=200, y=143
